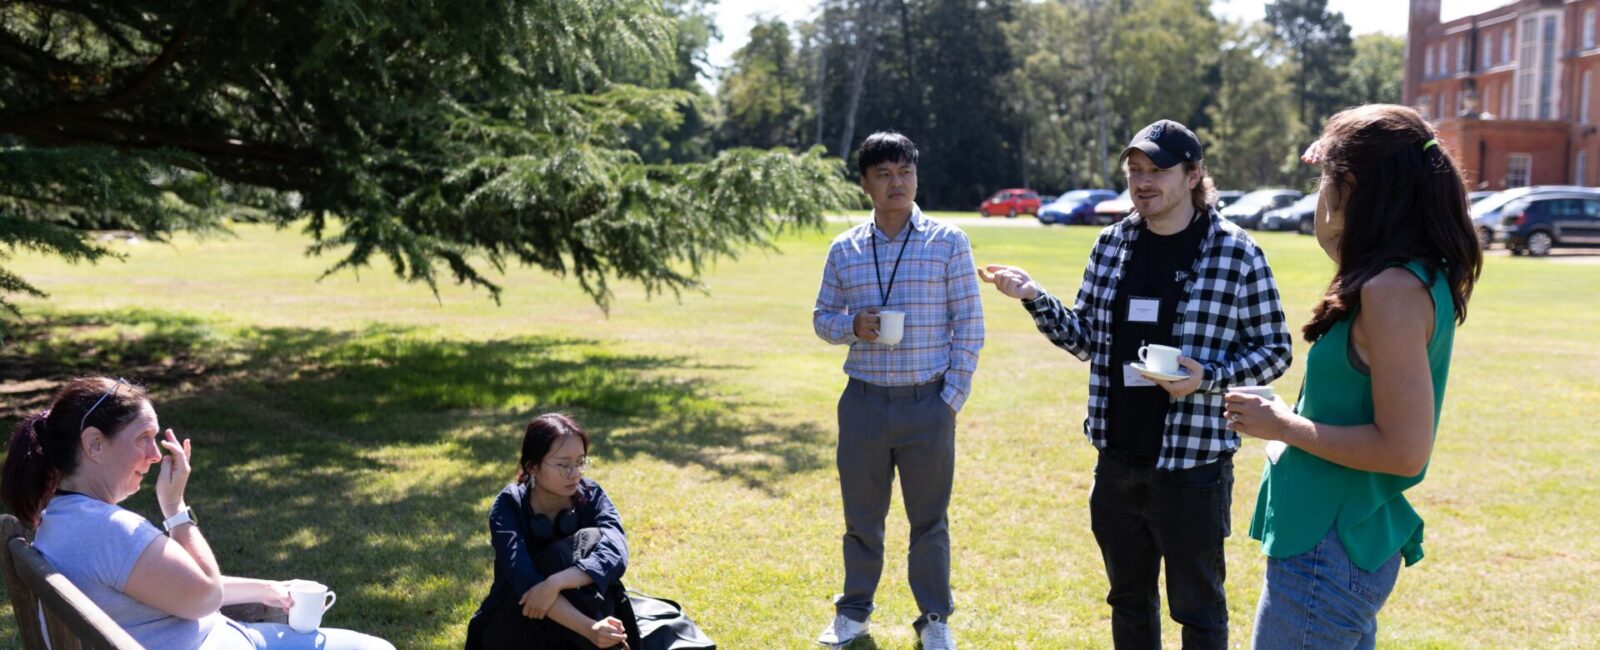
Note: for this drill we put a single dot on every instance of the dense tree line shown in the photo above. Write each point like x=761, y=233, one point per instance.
x=1044, y=94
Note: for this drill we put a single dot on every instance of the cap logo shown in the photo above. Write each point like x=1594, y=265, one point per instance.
x=1156, y=131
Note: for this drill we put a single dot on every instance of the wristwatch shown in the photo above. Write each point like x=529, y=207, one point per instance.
x=184, y=516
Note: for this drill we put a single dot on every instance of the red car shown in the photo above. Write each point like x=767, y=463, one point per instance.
x=1011, y=203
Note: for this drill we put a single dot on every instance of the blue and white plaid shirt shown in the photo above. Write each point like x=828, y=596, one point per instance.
x=1230, y=321
x=937, y=288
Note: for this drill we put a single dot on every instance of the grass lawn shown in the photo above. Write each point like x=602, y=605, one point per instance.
x=355, y=430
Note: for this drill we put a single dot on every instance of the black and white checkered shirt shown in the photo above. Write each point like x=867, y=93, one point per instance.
x=1230, y=321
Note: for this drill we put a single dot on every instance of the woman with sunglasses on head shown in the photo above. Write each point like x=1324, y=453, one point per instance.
x=68, y=467
x=559, y=552
x=1332, y=515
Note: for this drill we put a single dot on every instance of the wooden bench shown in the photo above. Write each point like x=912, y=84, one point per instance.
x=48, y=606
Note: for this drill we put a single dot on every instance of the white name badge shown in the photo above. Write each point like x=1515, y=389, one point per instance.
x=1132, y=378
x=1143, y=310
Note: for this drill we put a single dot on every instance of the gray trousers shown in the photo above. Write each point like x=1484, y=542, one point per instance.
x=881, y=429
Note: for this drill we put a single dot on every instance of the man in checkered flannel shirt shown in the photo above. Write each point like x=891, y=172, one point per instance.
x=898, y=410
x=1173, y=273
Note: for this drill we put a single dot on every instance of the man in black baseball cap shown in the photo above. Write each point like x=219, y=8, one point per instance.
x=1175, y=274
x=1167, y=143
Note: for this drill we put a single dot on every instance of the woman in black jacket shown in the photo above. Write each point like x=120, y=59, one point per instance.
x=559, y=552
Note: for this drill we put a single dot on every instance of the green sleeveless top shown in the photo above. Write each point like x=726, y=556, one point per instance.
x=1302, y=496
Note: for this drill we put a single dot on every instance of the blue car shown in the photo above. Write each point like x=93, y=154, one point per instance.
x=1075, y=207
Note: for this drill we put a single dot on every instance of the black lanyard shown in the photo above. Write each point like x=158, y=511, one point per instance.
x=884, y=293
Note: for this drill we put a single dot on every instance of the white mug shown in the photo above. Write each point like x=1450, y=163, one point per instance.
x=1160, y=358
x=309, y=600
x=1263, y=392
x=891, y=326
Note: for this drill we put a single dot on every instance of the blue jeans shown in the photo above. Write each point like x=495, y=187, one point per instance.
x=1320, y=599
x=233, y=635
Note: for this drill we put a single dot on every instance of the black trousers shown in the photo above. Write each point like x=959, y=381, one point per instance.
x=1141, y=516
x=507, y=629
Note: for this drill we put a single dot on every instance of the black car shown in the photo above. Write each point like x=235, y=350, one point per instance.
x=1226, y=198
x=1489, y=214
x=1539, y=222
x=1248, y=209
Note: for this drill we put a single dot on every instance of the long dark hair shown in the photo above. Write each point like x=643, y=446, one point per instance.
x=1407, y=202
x=44, y=448
x=543, y=434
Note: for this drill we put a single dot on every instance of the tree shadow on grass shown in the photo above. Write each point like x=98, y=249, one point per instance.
x=367, y=459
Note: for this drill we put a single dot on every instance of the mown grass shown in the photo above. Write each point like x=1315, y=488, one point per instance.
x=355, y=429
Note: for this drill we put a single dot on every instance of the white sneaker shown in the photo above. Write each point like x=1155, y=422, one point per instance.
x=842, y=630
x=936, y=635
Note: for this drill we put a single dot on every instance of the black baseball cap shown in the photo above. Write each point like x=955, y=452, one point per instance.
x=1167, y=143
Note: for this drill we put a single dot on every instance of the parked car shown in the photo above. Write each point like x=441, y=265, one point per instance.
x=1540, y=221
x=1487, y=214
x=1075, y=207
x=1248, y=209
x=1226, y=198
x=1011, y=203
x=1297, y=216
x=1113, y=210
x=1047, y=199
x=1474, y=197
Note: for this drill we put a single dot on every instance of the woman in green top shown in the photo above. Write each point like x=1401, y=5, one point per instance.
x=1332, y=515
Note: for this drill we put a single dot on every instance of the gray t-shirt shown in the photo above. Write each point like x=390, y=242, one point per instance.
x=95, y=545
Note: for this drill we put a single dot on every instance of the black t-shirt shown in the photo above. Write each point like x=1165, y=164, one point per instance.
x=1158, y=267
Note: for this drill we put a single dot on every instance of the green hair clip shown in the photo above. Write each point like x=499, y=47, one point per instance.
x=1431, y=143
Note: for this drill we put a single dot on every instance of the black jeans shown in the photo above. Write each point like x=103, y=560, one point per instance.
x=508, y=629
x=1142, y=515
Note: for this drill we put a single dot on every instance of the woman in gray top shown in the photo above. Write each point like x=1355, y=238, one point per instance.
x=66, y=469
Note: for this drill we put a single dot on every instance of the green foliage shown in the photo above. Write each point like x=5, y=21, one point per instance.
x=1377, y=70
x=1048, y=88
x=1159, y=60
x=429, y=134
x=761, y=92
x=1319, y=47
x=1253, y=131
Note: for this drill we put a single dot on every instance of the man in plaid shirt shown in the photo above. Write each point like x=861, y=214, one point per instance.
x=898, y=411
x=1173, y=273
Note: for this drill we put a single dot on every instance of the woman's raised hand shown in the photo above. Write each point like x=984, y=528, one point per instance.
x=174, y=476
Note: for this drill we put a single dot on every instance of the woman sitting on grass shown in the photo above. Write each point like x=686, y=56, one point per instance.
x=66, y=469
x=1332, y=515
x=559, y=552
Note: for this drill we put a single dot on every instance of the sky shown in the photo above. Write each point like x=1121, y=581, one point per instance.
x=734, y=17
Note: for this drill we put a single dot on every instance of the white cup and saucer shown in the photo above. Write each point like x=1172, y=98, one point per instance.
x=1160, y=362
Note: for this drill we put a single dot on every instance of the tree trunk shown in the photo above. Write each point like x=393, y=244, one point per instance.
x=822, y=75
x=865, y=45
x=1098, y=89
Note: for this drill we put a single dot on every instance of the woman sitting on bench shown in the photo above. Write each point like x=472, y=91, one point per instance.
x=67, y=468
x=559, y=553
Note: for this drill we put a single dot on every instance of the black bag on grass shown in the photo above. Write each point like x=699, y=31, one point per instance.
x=663, y=625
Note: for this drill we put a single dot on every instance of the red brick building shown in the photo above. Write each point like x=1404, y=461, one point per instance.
x=1512, y=90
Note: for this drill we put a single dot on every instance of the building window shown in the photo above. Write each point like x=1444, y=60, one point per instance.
x=1438, y=105
x=1580, y=169
x=1505, y=45
x=1505, y=100
x=1519, y=168
x=1427, y=63
x=1461, y=55
x=1486, y=47
x=1583, y=97
x=1537, y=92
x=1425, y=106
x=1588, y=28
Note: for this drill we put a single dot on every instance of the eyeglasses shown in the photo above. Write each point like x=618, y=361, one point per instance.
x=83, y=424
x=569, y=471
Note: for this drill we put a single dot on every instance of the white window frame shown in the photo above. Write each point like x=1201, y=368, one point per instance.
x=1588, y=28
x=1427, y=63
x=1585, y=89
x=1461, y=55
x=1505, y=100
x=1531, y=63
x=1580, y=168
x=1506, y=50
x=1513, y=166
x=1486, y=57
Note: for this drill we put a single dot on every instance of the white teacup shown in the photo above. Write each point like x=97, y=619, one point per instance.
x=891, y=326
x=1263, y=392
x=309, y=600
x=1160, y=358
